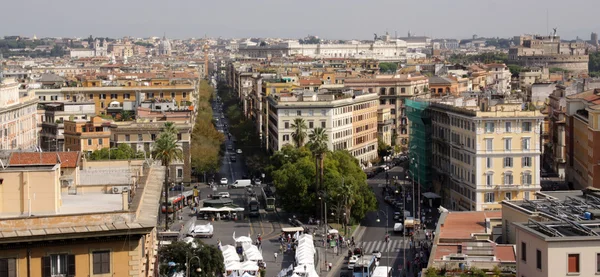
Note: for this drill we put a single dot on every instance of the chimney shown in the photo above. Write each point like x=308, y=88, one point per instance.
x=125, y=200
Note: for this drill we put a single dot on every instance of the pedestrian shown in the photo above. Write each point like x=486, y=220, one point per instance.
x=275, y=254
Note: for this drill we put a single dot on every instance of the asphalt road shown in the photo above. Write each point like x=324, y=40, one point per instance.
x=373, y=237
x=267, y=224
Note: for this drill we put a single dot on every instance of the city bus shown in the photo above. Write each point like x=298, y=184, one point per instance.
x=177, y=202
x=364, y=267
x=269, y=198
x=253, y=206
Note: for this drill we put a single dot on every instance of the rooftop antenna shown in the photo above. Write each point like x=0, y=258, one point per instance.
x=547, y=25
x=1, y=68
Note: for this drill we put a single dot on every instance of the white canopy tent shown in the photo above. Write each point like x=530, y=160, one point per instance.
x=249, y=266
x=252, y=253
x=243, y=239
x=233, y=266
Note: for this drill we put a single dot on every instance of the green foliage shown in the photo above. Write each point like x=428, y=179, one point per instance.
x=388, y=67
x=299, y=134
x=122, y=152
x=503, y=43
x=594, y=62
x=310, y=40
x=343, y=179
x=382, y=148
x=57, y=51
x=557, y=70
x=431, y=272
x=489, y=57
x=209, y=259
x=165, y=147
x=206, y=140
x=145, y=44
x=515, y=69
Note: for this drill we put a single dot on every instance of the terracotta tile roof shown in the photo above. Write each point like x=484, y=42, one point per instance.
x=309, y=82
x=460, y=225
x=66, y=159
x=505, y=253
x=445, y=250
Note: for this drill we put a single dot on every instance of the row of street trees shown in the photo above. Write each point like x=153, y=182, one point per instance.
x=302, y=171
x=122, y=152
x=206, y=140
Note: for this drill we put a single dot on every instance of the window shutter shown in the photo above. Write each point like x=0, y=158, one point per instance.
x=70, y=265
x=46, y=267
x=573, y=264
x=12, y=267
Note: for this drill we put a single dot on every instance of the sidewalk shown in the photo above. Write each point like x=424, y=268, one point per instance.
x=337, y=260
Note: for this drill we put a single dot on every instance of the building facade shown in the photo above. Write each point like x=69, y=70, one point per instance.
x=349, y=119
x=481, y=157
x=551, y=52
x=18, y=117
x=86, y=135
x=53, y=122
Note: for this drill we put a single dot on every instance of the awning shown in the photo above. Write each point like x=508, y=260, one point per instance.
x=431, y=195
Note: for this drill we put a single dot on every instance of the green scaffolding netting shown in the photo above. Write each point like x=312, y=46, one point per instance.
x=419, y=142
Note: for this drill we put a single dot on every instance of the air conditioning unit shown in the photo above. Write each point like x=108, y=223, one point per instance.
x=116, y=190
x=124, y=188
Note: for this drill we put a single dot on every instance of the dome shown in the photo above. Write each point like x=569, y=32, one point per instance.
x=164, y=47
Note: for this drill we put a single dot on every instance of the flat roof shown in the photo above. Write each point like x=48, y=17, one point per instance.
x=563, y=230
x=91, y=202
x=555, y=205
x=105, y=176
x=462, y=225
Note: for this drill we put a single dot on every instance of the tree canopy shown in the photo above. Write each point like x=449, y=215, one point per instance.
x=345, y=182
x=122, y=152
x=388, y=67
x=206, y=140
x=489, y=57
x=209, y=260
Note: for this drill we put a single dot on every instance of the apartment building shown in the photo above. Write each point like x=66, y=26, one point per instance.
x=86, y=135
x=18, y=117
x=349, y=118
x=141, y=135
x=484, y=151
x=384, y=124
x=393, y=91
x=53, y=122
x=47, y=232
x=582, y=134
x=558, y=248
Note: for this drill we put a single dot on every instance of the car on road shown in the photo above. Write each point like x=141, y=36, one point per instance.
x=241, y=184
x=352, y=261
x=239, y=151
x=257, y=182
x=224, y=181
x=398, y=227
x=224, y=194
x=232, y=158
x=229, y=147
x=397, y=216
x=377, y=254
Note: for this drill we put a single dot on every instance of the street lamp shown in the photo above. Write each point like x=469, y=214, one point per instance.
x=323, y=197
x=188, y=264
x=387, y=222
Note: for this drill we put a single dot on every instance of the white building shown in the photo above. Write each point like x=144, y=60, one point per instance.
x=392, y=50
x=349, y=118
x=18, y=117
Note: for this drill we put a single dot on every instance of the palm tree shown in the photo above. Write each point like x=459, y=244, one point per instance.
x=318, y=146
x=299, y=134
x=166, y=150
x=170, y=128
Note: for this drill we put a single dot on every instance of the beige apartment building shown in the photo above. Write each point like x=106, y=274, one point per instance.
x=18, y=117
x=384, y=124
x=558, y=248
x=393, y=90
x=349, y=118
x=484, y=152
x=86, y=135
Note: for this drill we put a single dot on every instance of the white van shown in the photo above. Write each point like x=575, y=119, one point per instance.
x=244, y=183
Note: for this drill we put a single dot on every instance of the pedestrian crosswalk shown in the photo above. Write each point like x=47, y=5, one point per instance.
x=382, y=246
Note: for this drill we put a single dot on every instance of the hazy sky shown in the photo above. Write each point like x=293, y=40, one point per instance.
x=334, y=19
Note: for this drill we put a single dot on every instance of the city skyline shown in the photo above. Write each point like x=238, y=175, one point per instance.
x=253, y=19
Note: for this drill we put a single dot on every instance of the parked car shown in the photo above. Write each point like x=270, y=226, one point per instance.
x=239, y=151
x=257, y=182
x=224, y=194
x=232, y=158
x=242, y=183
x=224, y=181
x=377, y=254
x=397, y=215
x=352, y=261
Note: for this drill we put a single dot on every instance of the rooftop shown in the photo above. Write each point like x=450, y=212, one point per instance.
x=91, y=203
x=462, y=225
x=65, y=159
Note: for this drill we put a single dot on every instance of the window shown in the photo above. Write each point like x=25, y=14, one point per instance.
x=489, y=179
x=489, y=127
x=523, y=251
x=299, y=113
x=311, y=112
x=311, y=124
x=323, y=112
x=140, y=138
x=489, y=145
x=8, y=267
x=286, y=113
x=323, y=124
x=538, y=259
x=180, y=173
x=99, y=141
x=126, y=96
x=489, y=197
x=507, y=127
x=172, y=95
x=526, y=161
x=526, y=127
x=507, y=144
x=58, y=265
x=598, y=262
x=508, y=162
x=101, y=261
x=526, y=195
x=286, y=137
x=153, y=137
x=91, y=96
x=573, y=263
x=526, y=179
x=89, y=141
x=508, y=178
x=526, y=143
x=508, y=196
x=126, y=137
x=488, y=162
x=286, y=125
x=184, y=95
